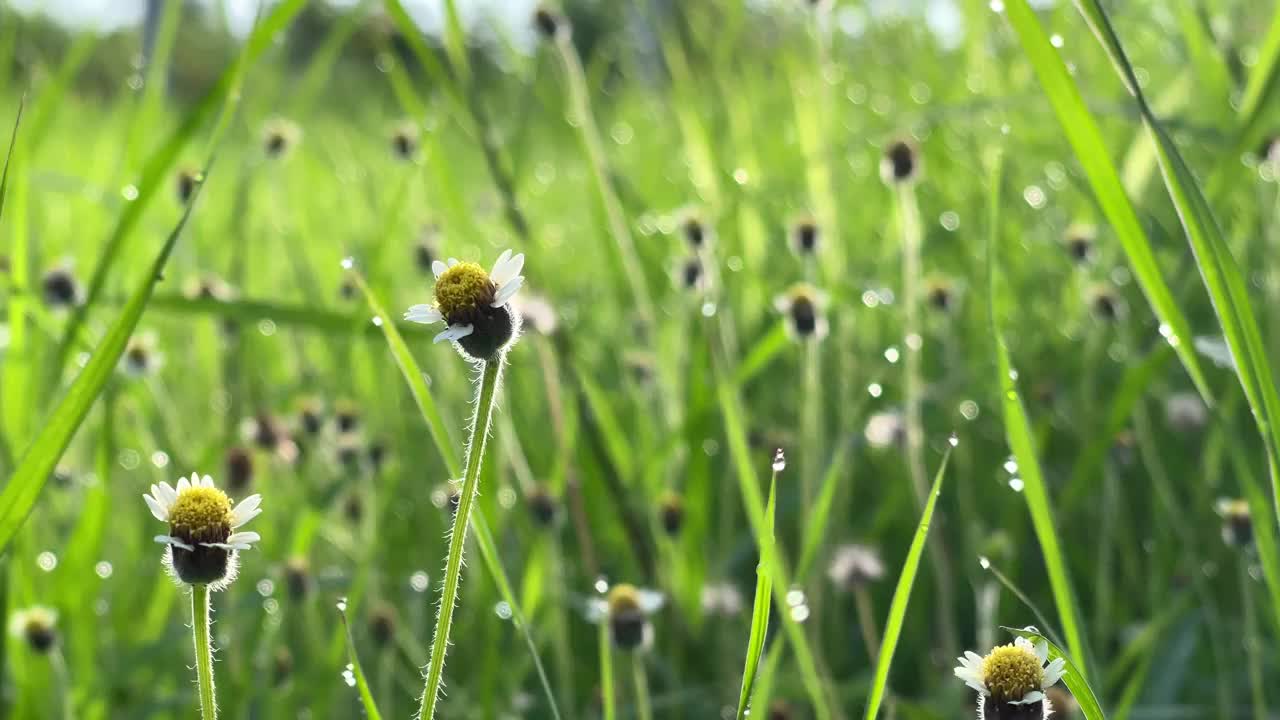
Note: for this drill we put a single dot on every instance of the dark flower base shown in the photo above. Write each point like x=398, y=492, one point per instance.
x=202, y=566
x=990, y=709
x=492, y=330
x=629, y=629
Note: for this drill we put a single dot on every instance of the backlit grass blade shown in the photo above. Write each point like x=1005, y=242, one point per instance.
x=1219, y=269
x=760, y=606
x=156, y=170
x=1081, y=130
x=14, y=385
x=1021, y=441
x=357, y=672
x=902, y=595
x=41, y=457
x=416, y=380
x=1073, y=678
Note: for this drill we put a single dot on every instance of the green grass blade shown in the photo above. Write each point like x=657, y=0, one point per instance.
x=1021, y=441
x=435, y=424
x=1219, y=269
x=38, y=462
x=15, y=390
x=156, y=170
x=1081, y=130
x=1073, y=678
x=819, y=516
x=902, y=595
x=761, y=605
x=8, y=156
x=357, y=672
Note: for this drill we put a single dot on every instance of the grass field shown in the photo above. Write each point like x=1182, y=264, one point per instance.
x=853, y=343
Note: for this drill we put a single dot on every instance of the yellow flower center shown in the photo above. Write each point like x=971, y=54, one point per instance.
x=1010, y=672
x=623, y=598
x=202, y=514
x=461, y=289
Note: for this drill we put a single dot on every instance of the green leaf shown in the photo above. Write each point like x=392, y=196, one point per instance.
x=38, y=462
x=902, y=595
x=760, y=606
x=1219, y=270
x=357, y=672
x=1072, y=677
x=1022, y=442
x=1081, y=130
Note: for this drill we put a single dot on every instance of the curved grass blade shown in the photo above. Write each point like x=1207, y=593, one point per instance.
x=819, y=516
x=435, y=424
x=902, y=595
x=761, y=605
x=38, y=462
x=357, y=672
x=1072, y=678
x=14, y=384
x=1219, y=270
x=1021, y=441
x=156, y=170
x=1081, y=130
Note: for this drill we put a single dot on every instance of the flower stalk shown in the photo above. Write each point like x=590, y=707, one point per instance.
x=490, y=372
x=204, y=651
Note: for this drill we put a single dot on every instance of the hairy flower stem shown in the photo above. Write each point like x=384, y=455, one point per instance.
x=489, y=375
x=204, y=650
x=909, y=222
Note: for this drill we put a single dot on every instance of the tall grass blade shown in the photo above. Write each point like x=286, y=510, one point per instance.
x=902, y=595
x=1021, y=441
x=1081, y=130
x=760, y=606
x=41, y=457
x=357, y=672
x=1221, y=273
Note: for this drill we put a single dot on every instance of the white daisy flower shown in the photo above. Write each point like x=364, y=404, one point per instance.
x=474, y=304
x=1012, y=675
x=202, y=541
x=37, y=626
x=627, y=609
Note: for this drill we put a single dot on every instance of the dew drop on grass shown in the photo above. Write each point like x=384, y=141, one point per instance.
x=103, y=569
x=377, y=321
x=708, y=309
x=602, y=585
x=342, y=605
x=1016, y=484
x=891, y=354
x=502, y=609
x=779, y=461
x=953, y=440
x=795, y=597
x=969, y=410
x=348, y=262
x=266, y=587
x=47, y=561
x=984, y=562
x=129, y=192
x=419, y=581
x=950, y=221
x=1011, y=466
x=875, y=390
x=160, y=459
x=349, y=676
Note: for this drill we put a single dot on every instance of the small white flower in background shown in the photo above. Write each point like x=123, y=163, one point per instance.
x=475, y=305
x=885, y=429
x=1185, y=412
x=141, y=358
x=721, y=599
x=627, y=609
x=1012, y=679
x=201, y=547
x=853, y=565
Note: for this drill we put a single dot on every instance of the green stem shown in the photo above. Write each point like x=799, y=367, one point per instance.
x=204, y=650
x=490, y=373
x=607, y=696
x=643, y=710
x=1251, y=641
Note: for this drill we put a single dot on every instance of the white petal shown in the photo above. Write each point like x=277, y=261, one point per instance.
x=425, y=314
x=507, y=291
x=244, y=538
x=498, y=266
x=438, y=268
x=1042, y=650
x=168, y=495
x=227, y=546
x=160, y=512
x=977, y=686
x=208, y=481
x=1053, y=673
x=247, y=510
x=782, y=304
x=1025, y=644
x=973, y=658
x=183, y=484
x=453, y=261
x=169, y=540
x=455, y=332
x=1032, y=697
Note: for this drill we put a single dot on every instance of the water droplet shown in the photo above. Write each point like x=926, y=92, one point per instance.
x=342, y=605
x=741, y=177
x=47, y=561
x=266, y=587
x=348, y=262
x=1056, y=40
x=950, y=221
x=377, y=321
x=969, y=410
x=914, y=341
x=419, y=581
x=1011, y=466
x=708, y=309
x=160, y=458
x=1016, y=484
x=267, y=327
x=800, y=613
x=502, y=609
x=891, y=354
x=875, y=390
x=602, y=585
x=103, y=569
x=984, y=562
x=795, y=597
x=349, y=677
x=129, y=192
x=953, y=441
x=779, y=461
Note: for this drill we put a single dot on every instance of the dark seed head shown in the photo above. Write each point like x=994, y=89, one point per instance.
x=1106, y=305
x=404, y=141
x=239, y=470
x=60, y=287
x=900, y=164
x=346, y=417
x=493, y=329
x=542, y=505
x=780, y=710
x=629, y=629
x=38, y=627
x=266, y=431
x=186, y=184
x=694, y=233
x=940, y=295
x=311, y=416
x=691, y=273
x=991, y=709
x=377, y=455
x=347, y=290
x=297, y=577
x=549, y=23
x=424, y=251
x=382, y=624
x=804, y=316
x=1237, y=523
x=202, y=565
x=353, y=508
x=804, y=237
x=1079, y=240
x=671, y=512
